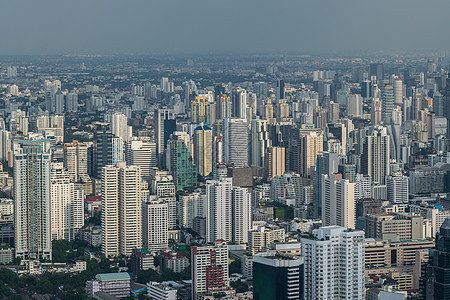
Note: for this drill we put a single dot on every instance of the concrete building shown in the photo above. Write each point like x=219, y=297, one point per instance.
x=235, y=141
x=113, y=284
x=209, y=268
x=334, y=264
x=260, y=239
x=400, y=261
x=75, y=161
x=157, y=291
x=203, y=149
x=141, y=153
x=32, y=190
x=397, y=189
x=260, y=142
x=275, y=162
x=338, y=201
x=397, y=227
x=67, y=206
x=304, y=145
x=288, y=185
x=121, y=209
x=190, y=207
x=375, y=157
x=120, y=128
x=155, y=225
x=162, y=185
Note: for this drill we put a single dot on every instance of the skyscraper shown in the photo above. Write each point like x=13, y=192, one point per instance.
x=103, y=152
x=32, y=199
x=260, y=141
x=239, y=103
x=119, y=126
x=398, y=91
x=223, y=106
x=180, y=161
x=67, y=205
x=163, y=187
x=72, y=102
x=375, y=157
x=203, y=110
x=436, y=281
x=334, y=264
x=235, y=142
x=165, y=125
x=338, y=201
x=75, y=161
x=275, y=161
x=377, y=69
x=280, y=90
x=304, y=145
x=219, y=210
x=155, y=225
x=121, y=209
x=141, y=153
x=203, y=149
x=388, y=103
x=241, y=209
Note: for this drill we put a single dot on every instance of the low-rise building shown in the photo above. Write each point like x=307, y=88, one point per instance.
x=157, y=291
x=176, y=262
x=114, y=284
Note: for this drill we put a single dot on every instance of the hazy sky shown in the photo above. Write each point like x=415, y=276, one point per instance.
x=205, y=26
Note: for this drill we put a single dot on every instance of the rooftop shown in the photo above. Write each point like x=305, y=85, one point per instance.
x=113, y=276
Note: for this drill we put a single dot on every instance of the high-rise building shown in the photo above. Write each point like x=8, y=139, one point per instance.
x=287, y=185
x=388, y=103
x=190, y=207
x=223, y=106
x=436, y=281
x=275, y=161
x=165, y=125
x=209, y=268
x=72, y=102
x=162, y=185
x=338, y=201
x=180, y=161
x=354, y=105
x=241, y=208
x=280, y=90
x=219, y=210
x=282, y=110
x=239, y=103
x=334, y=264
x=203, y=149
x=67, y=204
x=235, y=142
x=397, y=189
x=121, y=209
x=53, y=124
x=59, y=103
x=119, y=126
x=277, y=276
x=398, y=91
x=32, y=199
x=304, y=145
x=260, y=239
x=5, y=145
x=377, y=70
x=75, y=161
x=375, y=157
x=141, y=153
x=327, y=163
x=203, y=110
x=260, y=141
x=155, y=225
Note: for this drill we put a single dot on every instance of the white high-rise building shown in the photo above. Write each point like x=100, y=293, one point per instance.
x=53, y=124
x=354, y=105
x=119, y=126
x=32, y=199
x=67, y=205
x=235, y=142
x=121, y=209
x=260, y=141
x=218, y=210
x=5, y=144
x=338, y=201
x=191, y=206
x=242, y=214
x=155, y=225
x=163, y=187
x=143, y=154
x=334, y=264
x=397, y=189
x=228, y=211
x=375, y=157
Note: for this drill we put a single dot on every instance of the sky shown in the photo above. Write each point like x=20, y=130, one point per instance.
x=46, y=27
